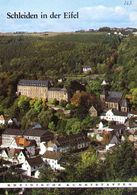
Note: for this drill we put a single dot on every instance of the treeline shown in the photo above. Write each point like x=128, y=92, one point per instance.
x=35, y=57
x=65, y=53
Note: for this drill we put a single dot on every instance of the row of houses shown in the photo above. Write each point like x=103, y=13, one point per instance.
x=35, y=148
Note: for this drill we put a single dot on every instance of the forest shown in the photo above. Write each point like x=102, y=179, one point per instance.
x=110, y=57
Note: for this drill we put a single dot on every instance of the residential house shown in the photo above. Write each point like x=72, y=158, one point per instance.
x=9, y=135
x=39, y=135
x=22, y=157
x=49, y=146
x=113, y=142
x=4, y=154
x=21, y=143
x=86, y=69
x=133, y=113
x=115, y=115
x=72, y=142
x=131, y=123
x=32, y=166
x=12, y=155
x=5, y=120
x=93, y=111
x=52, y=158
x=66, y=143
x=102, y=126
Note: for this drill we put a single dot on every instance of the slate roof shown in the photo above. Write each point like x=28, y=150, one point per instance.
x=36, y=132
x=114, y=140
x=13, y=132
x=35, y=161
x=114, y=96
x=124, y=103
x=57, y=89
x=52, y=155
x=71, y=140
x=118, y=126
x=119, y=113
x=39, y=83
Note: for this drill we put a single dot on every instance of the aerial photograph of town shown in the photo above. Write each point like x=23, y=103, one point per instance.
x=68, y=94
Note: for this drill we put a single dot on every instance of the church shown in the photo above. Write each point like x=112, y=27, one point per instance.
x=113, y=99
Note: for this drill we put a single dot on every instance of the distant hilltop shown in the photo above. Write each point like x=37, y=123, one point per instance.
x=126, y=30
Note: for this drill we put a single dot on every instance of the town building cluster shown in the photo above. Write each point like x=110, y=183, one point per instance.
x=31, y=149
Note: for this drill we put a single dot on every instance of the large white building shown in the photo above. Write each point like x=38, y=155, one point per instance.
x=115, y=115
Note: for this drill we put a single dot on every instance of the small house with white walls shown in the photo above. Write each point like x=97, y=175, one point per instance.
x=49, y=146
x=32, y=166
x=53, y=158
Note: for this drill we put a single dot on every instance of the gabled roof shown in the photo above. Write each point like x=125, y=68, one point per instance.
x=124, y=103
x=2, y=117
x=39, y=83
x=114, y=96
x=35, y=161
x=36, y=132
x=70, y=140
x=13, y=152
x=50, y=144
x=52, y=155
x=13, y=132
x=93, y=108
x=21, y=141
x=119, y=113
x=115, y=140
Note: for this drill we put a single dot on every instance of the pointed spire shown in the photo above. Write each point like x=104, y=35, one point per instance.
x=104, y=83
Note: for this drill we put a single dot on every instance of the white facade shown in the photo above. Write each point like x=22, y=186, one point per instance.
x=4, y=155
x=87, y=69
x=43, y=148
x=50, y=146
x=31, y=171
x=53, y=164
x=109, y=146
x=21, y=158
x=30, y=149
x=110, y=116
x=27, y=168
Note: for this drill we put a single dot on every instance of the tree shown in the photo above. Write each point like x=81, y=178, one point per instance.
x=73, y=125
x=121, y=164
x=47, y=174
x=83, y=99
x=29, y=118
x=45, y=117
x=51, y=125
x=132, y=96
x=23, y=104
x=94, y=86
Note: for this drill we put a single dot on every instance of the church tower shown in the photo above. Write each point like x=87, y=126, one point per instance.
x=104, y=93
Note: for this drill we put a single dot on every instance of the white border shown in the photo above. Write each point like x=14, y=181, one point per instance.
x=70, y=185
